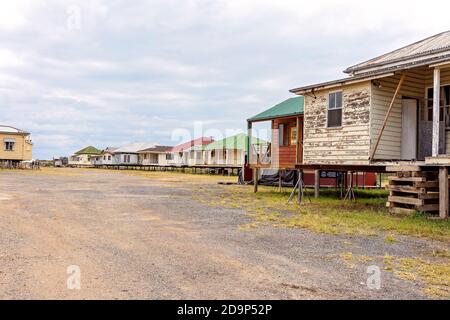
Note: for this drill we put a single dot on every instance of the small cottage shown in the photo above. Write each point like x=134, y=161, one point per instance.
x=84, y=156
x=16, y=146
x=181, y=155
x=158, y=155
x=129, y=154
x=107, y=157
x=285, y=150
x=230, y=151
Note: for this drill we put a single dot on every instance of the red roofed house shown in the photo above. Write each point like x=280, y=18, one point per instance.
x=182, y=155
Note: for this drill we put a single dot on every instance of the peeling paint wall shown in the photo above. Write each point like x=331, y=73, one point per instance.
x=349, y=144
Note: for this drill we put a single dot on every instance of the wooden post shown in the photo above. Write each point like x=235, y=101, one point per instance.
x=436, y=113
x=297, y=142
x=255, y=180
x=443, y=193
x=280, y=182
x=248, y=147
x=316, y=183
x=399, y=86
x=300, y=186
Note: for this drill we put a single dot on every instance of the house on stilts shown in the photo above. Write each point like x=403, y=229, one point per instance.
x=391, y=114
x=285, y=152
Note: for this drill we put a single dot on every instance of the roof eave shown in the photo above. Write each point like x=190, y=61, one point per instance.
x=273, y=118
x=415, y=59
x=340, y=83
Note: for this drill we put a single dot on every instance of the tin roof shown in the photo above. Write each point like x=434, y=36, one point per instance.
x=434, y=47
x=196, y=142
x=9, y=129
x=157, y=149
x=237, y=142
x=135, y=147
x=289, y=107
x=89, y=150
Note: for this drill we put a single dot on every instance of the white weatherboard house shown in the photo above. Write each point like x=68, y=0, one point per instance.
x=129, y=154
x=158, y=155
x=105, y=158
x=84, y=157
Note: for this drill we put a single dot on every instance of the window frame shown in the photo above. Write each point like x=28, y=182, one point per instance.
x=340, y=108
x=293, y=141
x=442, y=107
x=9, y=143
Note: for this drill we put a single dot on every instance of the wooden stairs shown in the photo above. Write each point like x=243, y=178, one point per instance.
x=411, y=191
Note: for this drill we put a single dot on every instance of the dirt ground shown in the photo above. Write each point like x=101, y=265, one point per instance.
x=139, y=238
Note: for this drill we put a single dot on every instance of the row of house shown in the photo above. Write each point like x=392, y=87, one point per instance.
x=203, y=151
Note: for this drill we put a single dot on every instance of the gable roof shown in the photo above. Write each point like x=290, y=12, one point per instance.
x=238, y=142
x=196, y=142
x=12, y=130
x=289, y=107
x=135, y=147
x=434, y=50
x=431, y=49
x=109, y=150
x=89, y=150
x=157, y=149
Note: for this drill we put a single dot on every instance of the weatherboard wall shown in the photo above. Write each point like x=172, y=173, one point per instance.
x=389, y=147
x=348, y=144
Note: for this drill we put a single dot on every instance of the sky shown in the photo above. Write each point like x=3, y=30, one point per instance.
x=110, y=72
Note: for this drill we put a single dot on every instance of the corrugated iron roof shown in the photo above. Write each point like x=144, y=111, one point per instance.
x=196, y=142
x=424, y=48
x=89, y=150
x=237, y=142
x=9, y=129
x=157, y=149
x=289, y=107
x=135, y=147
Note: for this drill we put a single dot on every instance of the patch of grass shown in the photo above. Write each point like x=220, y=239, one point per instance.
x=351, y=260
x=435, y=276
x=390, y=239
x=368, y=216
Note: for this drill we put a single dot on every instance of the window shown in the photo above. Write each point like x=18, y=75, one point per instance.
x=444, y=113
x=169, y=156
x=104, y=157
x=335, y=110
x=293, y=136
x=9, y=146
x=213, y=153
x=109, y=157
x=281, y=135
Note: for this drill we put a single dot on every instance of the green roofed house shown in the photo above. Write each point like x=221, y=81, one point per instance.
x=285, y=150
x=83, y=156
x=226, y=152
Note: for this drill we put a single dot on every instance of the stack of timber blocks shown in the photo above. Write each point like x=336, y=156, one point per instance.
x=412, y=191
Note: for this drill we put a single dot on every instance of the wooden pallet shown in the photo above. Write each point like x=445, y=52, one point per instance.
x=411, y=191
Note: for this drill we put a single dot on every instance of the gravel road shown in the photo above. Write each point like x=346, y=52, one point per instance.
x=137, y=238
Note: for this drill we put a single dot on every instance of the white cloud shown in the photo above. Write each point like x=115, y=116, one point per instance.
x=138, y=69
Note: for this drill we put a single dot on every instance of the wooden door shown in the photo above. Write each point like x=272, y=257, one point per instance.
x=409, y=129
